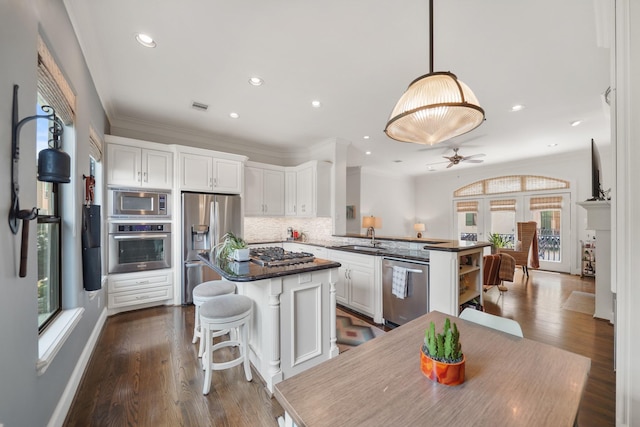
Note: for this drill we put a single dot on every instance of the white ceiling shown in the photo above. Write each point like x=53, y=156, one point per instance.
x=356, y=57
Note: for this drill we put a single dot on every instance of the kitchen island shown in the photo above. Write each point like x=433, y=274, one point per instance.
x=293, y=326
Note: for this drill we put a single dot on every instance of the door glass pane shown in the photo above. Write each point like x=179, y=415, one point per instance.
x=548, y=234
x=468, y=226
x=503, y=224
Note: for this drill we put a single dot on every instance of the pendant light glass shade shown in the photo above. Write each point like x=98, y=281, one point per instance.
x=434, y=108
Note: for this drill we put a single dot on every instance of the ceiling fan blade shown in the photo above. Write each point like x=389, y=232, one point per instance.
x=435, y=163
x=474, y=155
x=474, y=161
x=449, y=165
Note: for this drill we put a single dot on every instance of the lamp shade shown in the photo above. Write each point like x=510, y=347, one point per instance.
x=434, y=108
x=419, y=227
x=371, y=221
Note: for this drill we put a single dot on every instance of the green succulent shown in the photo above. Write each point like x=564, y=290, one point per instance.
x=444, y=347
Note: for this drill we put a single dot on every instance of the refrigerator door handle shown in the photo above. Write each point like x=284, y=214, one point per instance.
x=215, y=224
x=193, y=264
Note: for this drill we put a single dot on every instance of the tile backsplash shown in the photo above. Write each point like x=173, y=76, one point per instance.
x=258, y=229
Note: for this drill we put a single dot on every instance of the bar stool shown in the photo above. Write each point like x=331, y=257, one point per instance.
x=202, y=293
x=220, y=313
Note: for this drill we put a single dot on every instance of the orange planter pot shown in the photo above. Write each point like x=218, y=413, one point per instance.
x=443, y=373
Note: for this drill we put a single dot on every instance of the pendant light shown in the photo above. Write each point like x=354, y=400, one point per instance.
x=435, y=107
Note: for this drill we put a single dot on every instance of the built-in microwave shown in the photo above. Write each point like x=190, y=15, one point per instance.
x=132, y=203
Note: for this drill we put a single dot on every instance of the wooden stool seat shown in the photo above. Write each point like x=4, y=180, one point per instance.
x=223, y=313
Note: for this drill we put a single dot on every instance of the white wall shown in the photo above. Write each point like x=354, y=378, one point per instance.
x=434, y=191
x=27, y=399
x=390, y=198
x=353, y=199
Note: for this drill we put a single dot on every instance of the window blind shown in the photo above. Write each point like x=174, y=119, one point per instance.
x=53, y=86
x=540, y=203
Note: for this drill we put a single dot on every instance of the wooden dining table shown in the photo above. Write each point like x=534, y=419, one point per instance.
x=509, y=381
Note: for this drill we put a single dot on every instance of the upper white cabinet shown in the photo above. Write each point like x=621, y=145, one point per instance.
x=263, y=190
x=311, y=196
x=133, y=165
x=206, y=172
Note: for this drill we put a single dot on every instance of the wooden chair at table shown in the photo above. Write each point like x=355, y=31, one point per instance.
x=492, y=321
x=526, y=251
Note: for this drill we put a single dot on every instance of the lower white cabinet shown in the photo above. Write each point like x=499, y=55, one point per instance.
x=129, y=291
x=359, y=286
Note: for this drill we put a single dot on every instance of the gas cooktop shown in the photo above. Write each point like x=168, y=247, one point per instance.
x=274, y=256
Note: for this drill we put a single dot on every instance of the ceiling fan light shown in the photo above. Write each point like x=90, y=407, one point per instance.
x=434, y=108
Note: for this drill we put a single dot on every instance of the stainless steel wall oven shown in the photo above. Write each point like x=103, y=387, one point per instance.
x=139, y=246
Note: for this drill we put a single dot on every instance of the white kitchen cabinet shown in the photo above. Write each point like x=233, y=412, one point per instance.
x=358, y=282
x=263, y=191
x=129, y=291
x=202, y=172
x=455, y=279
x=311, y=196
x=134, y=166
x=290, y=192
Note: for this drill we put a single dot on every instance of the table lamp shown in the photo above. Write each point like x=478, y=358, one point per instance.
x=419, y=228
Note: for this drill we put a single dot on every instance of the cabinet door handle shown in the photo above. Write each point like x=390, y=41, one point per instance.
x=142, y=282
x=146, y=179
x=210, y=182
x=139, y=176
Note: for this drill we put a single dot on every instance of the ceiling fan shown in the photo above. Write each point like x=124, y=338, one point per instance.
x=457, y=158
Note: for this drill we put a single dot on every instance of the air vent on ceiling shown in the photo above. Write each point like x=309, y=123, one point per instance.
x=397, y=161
x=199, y=106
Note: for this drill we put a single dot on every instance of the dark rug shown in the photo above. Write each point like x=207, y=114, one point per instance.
x=351, y=331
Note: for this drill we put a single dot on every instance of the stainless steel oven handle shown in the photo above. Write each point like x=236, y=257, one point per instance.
x=140, y=236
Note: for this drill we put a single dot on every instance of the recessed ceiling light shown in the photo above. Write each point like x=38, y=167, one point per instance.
x=575, y=123
x=145, y=40
x=315, y=104
x=431, y=168
x=552, y=145
x=234, y=115
x=256, y=81
x=517, y=107
x=367, y=153
x=366, y=137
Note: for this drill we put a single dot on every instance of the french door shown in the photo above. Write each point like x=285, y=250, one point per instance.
x=477, y=218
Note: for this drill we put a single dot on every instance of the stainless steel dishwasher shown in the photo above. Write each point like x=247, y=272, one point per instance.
x=398, y=311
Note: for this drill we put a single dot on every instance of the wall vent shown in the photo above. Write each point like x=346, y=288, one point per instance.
x=199, y=106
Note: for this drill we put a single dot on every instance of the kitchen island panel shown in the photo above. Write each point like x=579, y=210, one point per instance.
x=293, y=324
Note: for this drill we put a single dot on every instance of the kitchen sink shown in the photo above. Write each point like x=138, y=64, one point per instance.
x=362, y=248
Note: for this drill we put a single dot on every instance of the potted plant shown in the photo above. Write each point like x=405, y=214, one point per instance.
x=441, y=357
x=232, y=247
x=497, y=241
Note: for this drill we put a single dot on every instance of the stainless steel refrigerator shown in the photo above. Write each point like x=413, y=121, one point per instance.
x=205, y=219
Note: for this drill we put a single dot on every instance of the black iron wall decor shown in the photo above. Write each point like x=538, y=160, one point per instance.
x=54, y=167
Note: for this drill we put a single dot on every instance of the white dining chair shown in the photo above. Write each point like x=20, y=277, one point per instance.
x=503, y=324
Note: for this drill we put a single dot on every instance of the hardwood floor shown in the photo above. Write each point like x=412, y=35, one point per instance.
x=145, y=370
x=536, y=303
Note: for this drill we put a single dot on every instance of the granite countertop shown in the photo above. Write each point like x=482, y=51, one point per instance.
x=247, y=271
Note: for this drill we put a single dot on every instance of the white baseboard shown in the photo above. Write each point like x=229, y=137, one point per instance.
x=60, y=413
